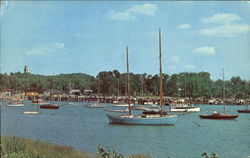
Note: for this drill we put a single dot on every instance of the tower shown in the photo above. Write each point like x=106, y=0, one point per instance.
x=26, y=69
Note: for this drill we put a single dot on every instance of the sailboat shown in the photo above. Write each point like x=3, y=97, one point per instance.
x=158, y=119
x=15, y=103
x=244, y=111
x=218, y=115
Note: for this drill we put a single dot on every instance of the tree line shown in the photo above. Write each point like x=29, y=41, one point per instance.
x=109, y=83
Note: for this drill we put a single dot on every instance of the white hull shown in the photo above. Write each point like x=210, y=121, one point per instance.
x=40, y=103
x=122, y=105
x=143, y=120
x=194, y=109
x=30, y=112
x=16, y=105
x=95, y=105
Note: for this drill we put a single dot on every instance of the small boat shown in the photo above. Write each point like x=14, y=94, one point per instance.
x=185, y=109
x=39, y=102
x=95, y=105
x=69, y=104
x=121, y=104
x=140, y=108
x=15, y=103
x=113, y=110
x=154, y=112
x=30, y=112
x=218, y=116
x=244, y=111
x=49, y=106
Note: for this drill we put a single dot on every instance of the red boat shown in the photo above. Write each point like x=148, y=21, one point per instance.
x=219, y=116
x=49, y=106
x=244, y=111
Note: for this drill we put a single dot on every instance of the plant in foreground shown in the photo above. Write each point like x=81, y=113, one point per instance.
x=213, y=155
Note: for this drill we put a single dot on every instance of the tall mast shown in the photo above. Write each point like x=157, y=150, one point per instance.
x=128, y=84
x=160, y=56
x=224, y=92
x=98, y=86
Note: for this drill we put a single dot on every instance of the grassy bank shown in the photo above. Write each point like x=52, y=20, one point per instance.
x=15, y=147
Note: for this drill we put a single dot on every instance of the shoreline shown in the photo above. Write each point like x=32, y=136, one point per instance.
x=13, y=146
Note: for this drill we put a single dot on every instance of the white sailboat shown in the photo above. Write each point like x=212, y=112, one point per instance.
x=15, y=103
x=158, y=119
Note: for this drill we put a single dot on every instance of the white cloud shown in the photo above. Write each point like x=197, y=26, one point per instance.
x=227, y=26
x=41, y=50
x=120, y=15
x=227, y=30
x=59, y=45
x=189, y=67
x=205, y=50
x=184, y=26
x=146, y=9
x=222, y=18
x=174, y=59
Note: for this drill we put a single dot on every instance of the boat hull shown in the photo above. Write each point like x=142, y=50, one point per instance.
x=122, y=105
x=219, y=117
x=30, y=112
x=16, y=105
x=243, y=111
x=195, y=109
x=164, y=120
x=49, y=106
x=95, y=105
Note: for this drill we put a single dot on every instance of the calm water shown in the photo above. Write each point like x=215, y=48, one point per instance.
x=86, y=128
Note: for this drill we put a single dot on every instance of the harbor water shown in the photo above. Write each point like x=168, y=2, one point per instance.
x=85, y=128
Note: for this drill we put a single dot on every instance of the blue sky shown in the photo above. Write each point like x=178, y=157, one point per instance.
x=54, y=37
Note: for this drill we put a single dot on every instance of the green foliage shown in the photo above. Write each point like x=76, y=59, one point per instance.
x=186, y=84
x=112, y=153
x=213, y=155
x=14, y=147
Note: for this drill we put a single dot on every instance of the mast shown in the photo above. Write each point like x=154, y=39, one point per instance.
x=161, y=89
x=128, y=84
x=98, y=86
x=224, y=92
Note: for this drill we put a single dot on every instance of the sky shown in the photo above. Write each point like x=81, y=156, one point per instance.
x=55, y=37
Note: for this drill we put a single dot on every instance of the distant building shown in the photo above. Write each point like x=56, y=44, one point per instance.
x=74, y=92
x=31, y=94
x=26, y=69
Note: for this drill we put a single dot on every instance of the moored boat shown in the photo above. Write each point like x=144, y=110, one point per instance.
x=120, y=111
x=49, y=106
x=218, y=116
x=95, y=105
x=39, y=102
x=121, y=104
x=185, y=109
x=244, y=111
x=154, y=112
x=30, y=112
x=156, y=119
x=143, y=119
x=15, y=103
